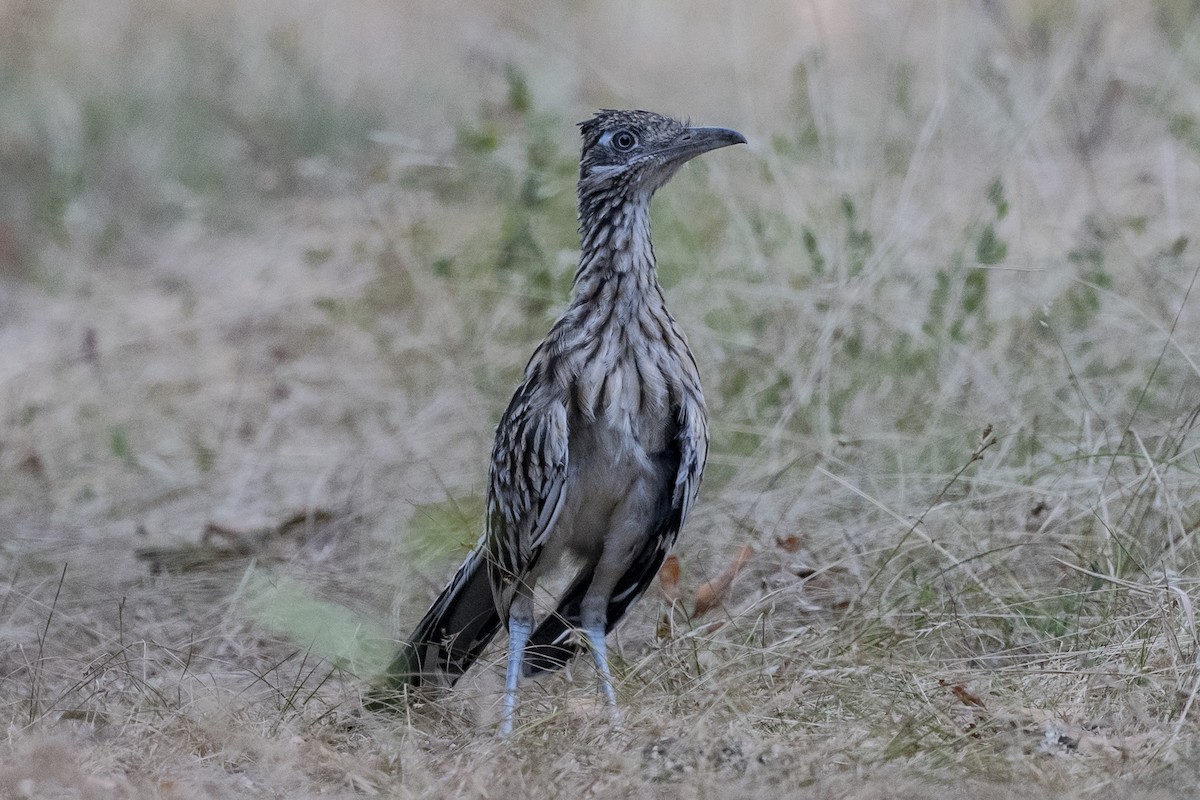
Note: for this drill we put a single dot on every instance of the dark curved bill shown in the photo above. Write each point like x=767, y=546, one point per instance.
x=694, y=141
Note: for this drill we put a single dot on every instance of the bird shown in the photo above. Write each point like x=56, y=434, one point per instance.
x=598, y=457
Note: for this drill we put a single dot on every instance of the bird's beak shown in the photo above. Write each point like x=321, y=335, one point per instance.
x=695, y=141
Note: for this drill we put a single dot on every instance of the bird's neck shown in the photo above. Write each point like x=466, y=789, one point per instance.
x=616, y=262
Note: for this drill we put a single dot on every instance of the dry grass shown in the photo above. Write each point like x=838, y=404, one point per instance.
x=268, y=273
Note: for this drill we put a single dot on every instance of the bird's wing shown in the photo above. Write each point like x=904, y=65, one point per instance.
x=525, y=487
x=690, y=450
x=692, y=438
x=552, y=645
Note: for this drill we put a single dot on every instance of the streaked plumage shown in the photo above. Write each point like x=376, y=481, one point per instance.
x=599, y=455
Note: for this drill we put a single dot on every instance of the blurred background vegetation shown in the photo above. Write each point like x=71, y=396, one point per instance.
x=265, y=257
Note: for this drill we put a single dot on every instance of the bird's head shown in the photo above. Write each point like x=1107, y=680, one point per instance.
x=638, y=151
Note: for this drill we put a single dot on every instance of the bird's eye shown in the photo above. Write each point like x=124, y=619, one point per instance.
x=623, y=141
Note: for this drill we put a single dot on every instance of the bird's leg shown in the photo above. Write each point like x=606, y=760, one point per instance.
x=520, y=626
x=594, y=631
x=592, y=620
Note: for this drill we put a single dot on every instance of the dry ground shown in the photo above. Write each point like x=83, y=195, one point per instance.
x=269, y=271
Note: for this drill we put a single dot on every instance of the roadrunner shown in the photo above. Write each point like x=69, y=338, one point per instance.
x=598, y=457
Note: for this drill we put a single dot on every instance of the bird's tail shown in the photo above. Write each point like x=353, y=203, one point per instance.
x=447, y=641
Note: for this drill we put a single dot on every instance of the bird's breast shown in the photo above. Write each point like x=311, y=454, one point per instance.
x=628, y=392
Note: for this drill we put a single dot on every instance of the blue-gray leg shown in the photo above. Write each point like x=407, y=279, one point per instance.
x=623, y=545
x=595, y=637
x=519, y=631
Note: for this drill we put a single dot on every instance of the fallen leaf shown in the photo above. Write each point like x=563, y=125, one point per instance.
x=710, y=595
x=668, y=579
x=965, y=697
x=788, y=544
x=962, y=693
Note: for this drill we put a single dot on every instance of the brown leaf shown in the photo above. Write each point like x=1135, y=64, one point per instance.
x=788, y=544
x=966, y=697
x=668, y=579
x=711, y=594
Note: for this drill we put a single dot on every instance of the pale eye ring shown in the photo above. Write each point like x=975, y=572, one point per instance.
x=623, y=141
